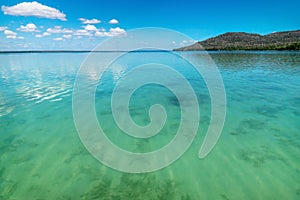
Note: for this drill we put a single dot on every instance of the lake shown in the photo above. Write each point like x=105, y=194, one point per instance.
x=256, y=157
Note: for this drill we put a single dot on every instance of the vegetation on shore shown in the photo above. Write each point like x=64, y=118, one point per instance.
x=288, y=40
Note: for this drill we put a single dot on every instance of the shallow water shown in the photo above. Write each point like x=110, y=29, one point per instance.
x=257, y=156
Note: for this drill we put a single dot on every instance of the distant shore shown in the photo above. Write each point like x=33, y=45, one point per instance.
x=209, y=50
x=287, y=40
x=75, y=51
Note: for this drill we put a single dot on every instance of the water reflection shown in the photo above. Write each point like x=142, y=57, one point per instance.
x=32, y=78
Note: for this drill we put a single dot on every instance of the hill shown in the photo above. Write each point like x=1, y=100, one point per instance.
x=287, y=40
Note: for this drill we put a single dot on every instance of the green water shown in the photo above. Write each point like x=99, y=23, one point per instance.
x=257, y=156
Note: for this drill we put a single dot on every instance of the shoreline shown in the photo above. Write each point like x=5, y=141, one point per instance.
x=145, y=51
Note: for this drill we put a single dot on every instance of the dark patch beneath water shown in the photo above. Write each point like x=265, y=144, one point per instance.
x=298, y=192
x=295, y=101
x=7, y=187
x=247, y=126
x=286, y=139
x=131, y=186
x=267, y=111
x=258, y=158
x=174, y=101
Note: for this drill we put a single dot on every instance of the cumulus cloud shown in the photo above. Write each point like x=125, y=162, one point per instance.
x=112, y=32
x=67, y=36
x=102, y=34
x=89, y=21
x=12, y=35
x=33, y=9
x=9, y=32
x=28, y=28
x=58, y=29
x=82, y=33
x=117, y=31
x=46, y=34
x=58, y=39
x=113, y=21
x=90, y=27
x=2, y=28
x=42, y=35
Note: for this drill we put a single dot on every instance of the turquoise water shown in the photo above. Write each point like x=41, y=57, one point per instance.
x=257, y=156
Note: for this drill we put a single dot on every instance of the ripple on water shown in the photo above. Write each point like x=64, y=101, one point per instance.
x=39, y=124
x=5, y=107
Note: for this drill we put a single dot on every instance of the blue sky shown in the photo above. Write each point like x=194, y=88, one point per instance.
x=81, y=24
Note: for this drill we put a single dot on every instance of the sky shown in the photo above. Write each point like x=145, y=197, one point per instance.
x=82, y=24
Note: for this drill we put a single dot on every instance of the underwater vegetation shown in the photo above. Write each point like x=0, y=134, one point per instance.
x=7, y=187
x=225, y=197
x=173, y=101
x=287, y=140
x=294, y=103
x=11, y=144
x=298, y=192
x=248, y=125
x=267, y=111
x=135, y=186
x=259, y=157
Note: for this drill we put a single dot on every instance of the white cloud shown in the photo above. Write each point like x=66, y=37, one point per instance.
x=33, y=9
x=89, y=21
x=9, y=32
x=58, y=29
x=112, y=32
x=67, y=36
x=2, y=28
x=113, y=21
x=117, y=31
x=90, y=27
x=102, y=34
x=42, y=35
x=46, y=34
x=65, y=30
x=28, y=28
x=82, y=33
x=12, y=35
x=58, y=39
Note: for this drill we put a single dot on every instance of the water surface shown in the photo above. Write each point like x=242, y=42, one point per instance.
x=257, y=156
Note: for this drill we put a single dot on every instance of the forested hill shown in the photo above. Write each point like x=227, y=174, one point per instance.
x=287, y=40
